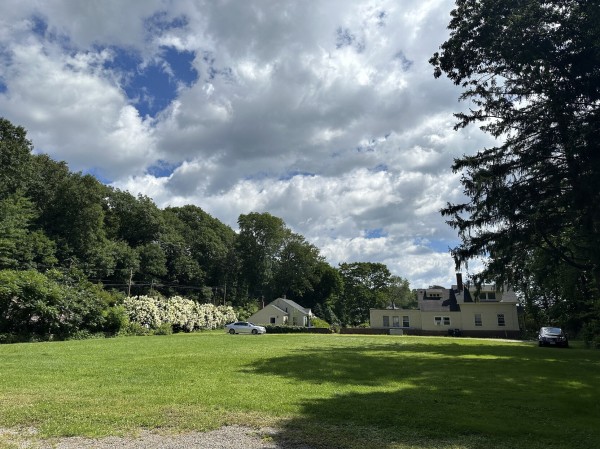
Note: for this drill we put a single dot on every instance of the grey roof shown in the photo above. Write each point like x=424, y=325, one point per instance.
x=295, y=305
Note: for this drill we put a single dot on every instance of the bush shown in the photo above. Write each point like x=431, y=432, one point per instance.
x=85, y=335
x=319, y=323
x=37, y=306
x=279, y=329
x=115, y=319
x=590, y=334
x=134, y=329
x=180, y=314
x=164, y=329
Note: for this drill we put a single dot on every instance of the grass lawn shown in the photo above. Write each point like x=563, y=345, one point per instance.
x=331, y=391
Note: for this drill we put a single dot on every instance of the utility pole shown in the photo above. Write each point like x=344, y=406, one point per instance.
x=130, y=280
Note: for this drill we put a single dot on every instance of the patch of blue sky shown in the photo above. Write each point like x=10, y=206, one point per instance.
x=39, y=26
x=405, y=63
x=379, y=168
x=3, y=87
x=152, y=87
x=376, y=233
x=259, y=176
x=345, y=38
x=162, y=169
x=438, y=245
x=292, y=174
x=97, y=173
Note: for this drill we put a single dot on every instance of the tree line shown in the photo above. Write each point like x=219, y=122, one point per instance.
x=69, y=224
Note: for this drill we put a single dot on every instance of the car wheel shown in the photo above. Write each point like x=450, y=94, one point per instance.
x=232, y=331
x=540, y=344
x=254, y=331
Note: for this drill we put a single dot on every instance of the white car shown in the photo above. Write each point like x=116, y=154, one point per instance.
x=244, y=327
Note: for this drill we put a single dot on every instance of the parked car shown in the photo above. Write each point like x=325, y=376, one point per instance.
x=244, y=327
x=552, y=336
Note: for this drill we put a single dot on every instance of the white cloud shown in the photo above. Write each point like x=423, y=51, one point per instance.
x=323, y=113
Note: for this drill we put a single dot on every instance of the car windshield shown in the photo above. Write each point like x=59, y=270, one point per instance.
x=552, y=330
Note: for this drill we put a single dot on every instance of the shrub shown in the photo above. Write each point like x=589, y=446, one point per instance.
x=318, y=322
x=278, y=329
x=51, y=305
x=180, y=314
x=590, y=334
x=164, y=329
x=133, y=329
x=116, y=318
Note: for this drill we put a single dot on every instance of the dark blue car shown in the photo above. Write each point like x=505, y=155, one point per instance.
x=552, y=336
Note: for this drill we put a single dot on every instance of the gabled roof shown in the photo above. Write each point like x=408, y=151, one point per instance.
x=295, y=305
x=272, y=304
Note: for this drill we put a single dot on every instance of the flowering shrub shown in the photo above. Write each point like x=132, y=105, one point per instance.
x=181, y=313
x=144, y=311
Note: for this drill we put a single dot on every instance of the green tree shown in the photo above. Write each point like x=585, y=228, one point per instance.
x=153, y=262
x=137, y=221
x=15, y=158
x=75, y=221
x=208, y=242
x=259, y=243
x=20, y=247
x=296, y=270
x=327, y=287
x=530, y=72
x=366, y=286
x=399, y=293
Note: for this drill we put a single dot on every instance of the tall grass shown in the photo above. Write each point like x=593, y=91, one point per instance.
x=331, y=391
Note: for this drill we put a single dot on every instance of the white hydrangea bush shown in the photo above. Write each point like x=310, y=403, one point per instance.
x=143, y=310
x=226, y=315
x=182, y=313
x=179, y=312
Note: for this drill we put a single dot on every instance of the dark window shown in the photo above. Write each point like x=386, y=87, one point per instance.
x=501, y=321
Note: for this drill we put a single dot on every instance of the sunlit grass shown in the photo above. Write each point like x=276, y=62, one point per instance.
x=329, y=390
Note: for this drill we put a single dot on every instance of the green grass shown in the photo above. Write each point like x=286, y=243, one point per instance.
x=332, y=391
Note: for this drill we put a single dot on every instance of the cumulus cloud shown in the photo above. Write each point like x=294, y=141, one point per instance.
x=323, y=113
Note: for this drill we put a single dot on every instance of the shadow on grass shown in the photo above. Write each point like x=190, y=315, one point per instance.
x=447, y=395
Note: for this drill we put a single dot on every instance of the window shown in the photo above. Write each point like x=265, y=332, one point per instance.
x=285, y=320
x=386, y=321
x=272, y=320
x=396, y=321
x=478, y=319
x=405, y=321
x=439, y=320
x=487, y=296
x=501, y=321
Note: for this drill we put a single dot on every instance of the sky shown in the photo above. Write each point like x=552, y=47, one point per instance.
x=324, y=113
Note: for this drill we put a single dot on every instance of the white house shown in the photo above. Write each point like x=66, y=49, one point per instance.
x=442, y=311
x=282, y=311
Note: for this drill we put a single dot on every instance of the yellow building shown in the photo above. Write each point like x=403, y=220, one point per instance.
x=455, y=311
